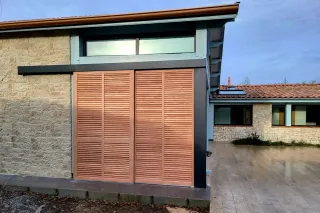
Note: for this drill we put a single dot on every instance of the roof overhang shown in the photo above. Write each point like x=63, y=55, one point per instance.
x=228, y=12
x=243, y=101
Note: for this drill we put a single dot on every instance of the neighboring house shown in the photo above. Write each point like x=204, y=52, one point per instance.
x=276, y=112
x=118, y=98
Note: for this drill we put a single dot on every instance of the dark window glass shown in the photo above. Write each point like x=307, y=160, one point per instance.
x=305, y=115
x=233, y=115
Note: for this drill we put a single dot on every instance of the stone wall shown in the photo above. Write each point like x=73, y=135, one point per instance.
x=262, y=125
x=35, y=120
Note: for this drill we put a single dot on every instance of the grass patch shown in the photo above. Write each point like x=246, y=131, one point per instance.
x=254, y=140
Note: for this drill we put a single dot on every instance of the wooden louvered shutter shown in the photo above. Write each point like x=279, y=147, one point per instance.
x=178, y=127
x=148, y=126
x=88, y=130
x=164, y=138
x=118, y=125
x=104, y=125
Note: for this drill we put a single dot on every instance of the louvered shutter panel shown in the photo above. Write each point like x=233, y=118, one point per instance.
x=164, y=127
x=104, y=125
x=118, y=125
x=178, y=127
x=148, y=126
x=88, y=130
x=106, y=141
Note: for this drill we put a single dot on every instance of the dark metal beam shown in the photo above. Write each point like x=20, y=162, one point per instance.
x=69, y=69
x=200, y=127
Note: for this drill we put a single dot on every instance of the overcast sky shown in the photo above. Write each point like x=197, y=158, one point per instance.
x=269, y=41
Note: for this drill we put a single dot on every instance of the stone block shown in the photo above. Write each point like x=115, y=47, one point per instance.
x=72, y=193
x=26, y=108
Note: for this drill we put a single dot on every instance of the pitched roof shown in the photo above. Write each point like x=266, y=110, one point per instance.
x=165, y=14
x=274, y=91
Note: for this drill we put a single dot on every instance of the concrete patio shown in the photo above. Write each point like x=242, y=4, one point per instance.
x=264, y=179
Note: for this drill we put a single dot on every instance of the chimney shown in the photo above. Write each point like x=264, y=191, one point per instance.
x=229, y=81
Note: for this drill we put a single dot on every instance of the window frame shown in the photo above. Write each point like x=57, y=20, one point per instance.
x=284, y=115
x=250, y=106
x=137, y=37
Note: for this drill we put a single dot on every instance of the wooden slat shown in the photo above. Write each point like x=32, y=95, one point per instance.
x=88, y=125
x=148, y=126
x=159, y=102
x=164, y=127
x=118, y=126
x=293, y=116
x=281, y=117
x=178, y=127
x=104, y=125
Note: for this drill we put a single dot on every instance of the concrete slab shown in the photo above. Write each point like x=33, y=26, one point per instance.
x=199, y=203
x=264, y=178
x=122, y=192
x=135, y=198
x=41, y=190
x=72, y=193
x=101, y=195
x=16, y=188
x=182, y=202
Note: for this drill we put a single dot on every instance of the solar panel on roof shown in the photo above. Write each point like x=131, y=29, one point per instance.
x=232, y=92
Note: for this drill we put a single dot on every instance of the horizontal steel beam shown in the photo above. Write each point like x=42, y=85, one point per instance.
x=69, y=69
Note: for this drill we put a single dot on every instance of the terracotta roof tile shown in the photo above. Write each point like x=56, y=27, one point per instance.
x=274, y=91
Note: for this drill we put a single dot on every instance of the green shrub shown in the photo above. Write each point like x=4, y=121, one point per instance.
x=254, y=139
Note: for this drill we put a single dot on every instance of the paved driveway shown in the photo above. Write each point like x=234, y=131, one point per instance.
x=264, y=179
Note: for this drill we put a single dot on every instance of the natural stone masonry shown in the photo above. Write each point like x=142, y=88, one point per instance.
x=35, y=120
x=262, y=125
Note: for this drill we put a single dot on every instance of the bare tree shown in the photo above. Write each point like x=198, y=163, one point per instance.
x=285, y=81
x=309, y=82
x=246, y=81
